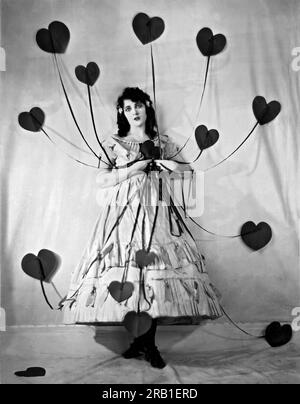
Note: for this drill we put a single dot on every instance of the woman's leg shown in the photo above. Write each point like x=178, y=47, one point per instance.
x=148, y=339
x=146, y=344
x=137, y=347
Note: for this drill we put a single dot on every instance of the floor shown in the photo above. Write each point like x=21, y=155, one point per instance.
x=213, y=353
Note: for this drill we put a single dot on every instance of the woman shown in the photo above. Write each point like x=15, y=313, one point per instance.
x=137, y=215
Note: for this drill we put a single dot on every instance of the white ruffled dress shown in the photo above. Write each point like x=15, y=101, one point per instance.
x=175, y=288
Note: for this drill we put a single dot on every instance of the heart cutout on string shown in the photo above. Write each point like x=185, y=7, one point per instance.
x=206, y=138
x=263, y=112
x=277, y=335
x=49, y=263
x=147, y=29
x=55, y=39
x=31, y=372
x=210, y=44
x=137, y=323
x=89, y=74
x=42, y=266
x=144, y=258
x=121, y=291
x=32, y=120
x=149, y=150
x=256, y=236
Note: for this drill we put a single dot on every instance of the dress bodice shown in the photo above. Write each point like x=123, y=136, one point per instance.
x=122, y=151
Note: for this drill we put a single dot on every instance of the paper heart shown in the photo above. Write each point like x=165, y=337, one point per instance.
x=210, y=44
x=147, y=29
x=149, y=150
x=55, y=39
x=41, y=267
x=121, y=291
x=264, y=112
x=256, y=237
x=277, y=335
x=49, y=263
x=206, y=138
x=31, y=372
x=89, y=74
x=32, y=120
x=144, y=258
x=137, y=323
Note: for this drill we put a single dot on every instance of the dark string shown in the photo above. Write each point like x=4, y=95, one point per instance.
x=42, y=285
x=199, y=108
x=49, y=138
x=245, y=332
x=70, y=107
x=205, y=80
x=130, y=242
x=154, y=96
x=142, y=285
x=94, y=125
x=234, y=150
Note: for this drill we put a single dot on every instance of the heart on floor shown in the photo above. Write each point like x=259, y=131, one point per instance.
x=278, y=335
x=210, y=44
x=31, y=372
x=256, y=236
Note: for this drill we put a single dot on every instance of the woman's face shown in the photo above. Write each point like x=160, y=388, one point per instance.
x=135, y=113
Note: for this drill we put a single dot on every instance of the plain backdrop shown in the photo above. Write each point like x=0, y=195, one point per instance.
x=49, y=201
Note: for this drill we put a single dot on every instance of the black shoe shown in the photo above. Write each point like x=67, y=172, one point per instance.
x=134, y=351
x=152, y=355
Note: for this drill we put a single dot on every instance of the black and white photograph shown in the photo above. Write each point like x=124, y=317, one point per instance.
x=150, y=199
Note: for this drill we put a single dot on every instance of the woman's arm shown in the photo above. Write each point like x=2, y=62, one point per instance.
x=170, y=165
x=109, y=177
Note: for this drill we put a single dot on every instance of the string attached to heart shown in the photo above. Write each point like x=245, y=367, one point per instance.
x=209, y=45
x=94, y=126
x=125, y=273
x=41, y=267
x=89, y=75
x=37, y=125
x=43, y=277
x=235, y=150
x=148, y=30
x=275, y=334
x=154, y=97
x=55, y=40
x=70, y=107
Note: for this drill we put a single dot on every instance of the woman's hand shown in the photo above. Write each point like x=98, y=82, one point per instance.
x=168, y=164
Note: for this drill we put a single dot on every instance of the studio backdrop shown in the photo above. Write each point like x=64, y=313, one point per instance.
x=49, y=200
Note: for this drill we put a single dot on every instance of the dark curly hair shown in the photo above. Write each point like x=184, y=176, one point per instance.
x=135, y=94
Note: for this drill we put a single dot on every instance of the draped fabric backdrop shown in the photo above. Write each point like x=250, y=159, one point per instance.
x=50, y=201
